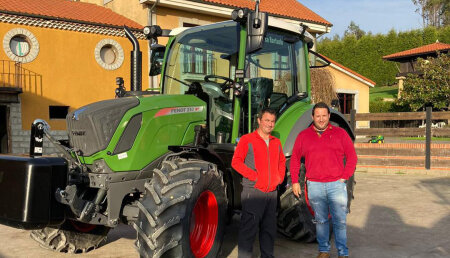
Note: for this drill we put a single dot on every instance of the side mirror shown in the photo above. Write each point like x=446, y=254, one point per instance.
x=317, y=61
x=335, y=104
x=256, y=30
x=156, y=59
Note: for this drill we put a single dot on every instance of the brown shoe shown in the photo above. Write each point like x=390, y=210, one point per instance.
x=342, y=256
x=323, y=255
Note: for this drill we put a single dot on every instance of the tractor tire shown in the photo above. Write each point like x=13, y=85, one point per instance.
x=295, y=218
x=71, y=237
x=183, y=211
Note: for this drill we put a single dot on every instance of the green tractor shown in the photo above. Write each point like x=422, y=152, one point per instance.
x=376, y=139
x=162, y=162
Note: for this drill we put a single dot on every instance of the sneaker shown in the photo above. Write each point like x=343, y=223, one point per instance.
x=323, y=255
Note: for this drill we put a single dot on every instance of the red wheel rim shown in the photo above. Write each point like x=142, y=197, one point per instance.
x=204, y=222
x=82, y=227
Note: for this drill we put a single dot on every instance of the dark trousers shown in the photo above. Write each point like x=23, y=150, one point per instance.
x=258, y=212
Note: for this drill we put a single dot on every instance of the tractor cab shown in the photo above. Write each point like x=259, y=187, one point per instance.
x=235, y=73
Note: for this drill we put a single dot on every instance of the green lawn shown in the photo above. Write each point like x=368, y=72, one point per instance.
x=383, y=92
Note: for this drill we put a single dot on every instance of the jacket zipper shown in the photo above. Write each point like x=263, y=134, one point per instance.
x=268, y=171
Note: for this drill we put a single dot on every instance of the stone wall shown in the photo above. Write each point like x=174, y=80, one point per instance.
x=20, y=139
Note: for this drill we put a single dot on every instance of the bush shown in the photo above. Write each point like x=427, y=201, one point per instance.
x=380, y=106
x=364, y=55
x=431, y=87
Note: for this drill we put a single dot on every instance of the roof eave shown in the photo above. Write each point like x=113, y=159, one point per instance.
x=65, y=19
x=225, y=11
x=394, y=58
x=354, y=76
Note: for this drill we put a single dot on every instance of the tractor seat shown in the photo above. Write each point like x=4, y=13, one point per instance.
x=262, y=89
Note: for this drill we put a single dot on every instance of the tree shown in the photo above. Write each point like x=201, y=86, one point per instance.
x=434, y=12
x=355, y=30
x=431, y=87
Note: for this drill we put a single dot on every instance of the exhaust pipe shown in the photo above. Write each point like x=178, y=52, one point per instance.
x=136, y=62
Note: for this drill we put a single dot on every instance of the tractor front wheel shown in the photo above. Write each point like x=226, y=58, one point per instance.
x=183, y=211
x=71, y=237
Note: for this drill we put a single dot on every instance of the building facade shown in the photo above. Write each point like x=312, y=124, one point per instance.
x=58, y=56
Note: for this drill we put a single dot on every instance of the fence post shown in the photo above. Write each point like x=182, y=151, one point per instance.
x=428, y=140
x=353, y=119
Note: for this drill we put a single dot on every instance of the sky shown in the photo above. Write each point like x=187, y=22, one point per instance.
x=377, y=16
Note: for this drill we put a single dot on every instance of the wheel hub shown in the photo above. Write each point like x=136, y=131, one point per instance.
x=204, y=222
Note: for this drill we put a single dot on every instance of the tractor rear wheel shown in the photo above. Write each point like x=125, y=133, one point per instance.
x=295, y=217
x=183, y=211
x=71, y=237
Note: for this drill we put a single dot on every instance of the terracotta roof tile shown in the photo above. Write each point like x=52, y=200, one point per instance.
x=431, y=48
x=287, y=8
x=349, y=70
x=67, y=10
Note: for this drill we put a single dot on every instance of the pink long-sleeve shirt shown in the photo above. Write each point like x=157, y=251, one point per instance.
x=324, y=155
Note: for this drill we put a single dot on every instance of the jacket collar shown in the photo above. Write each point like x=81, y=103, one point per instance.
x=258, y=136
x=329, y=127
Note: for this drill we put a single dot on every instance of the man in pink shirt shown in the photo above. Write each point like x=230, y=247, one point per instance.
x=330, y=160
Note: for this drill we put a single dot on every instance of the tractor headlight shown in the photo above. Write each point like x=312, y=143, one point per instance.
x=240, y=15
x=146, y=30
x=153, y=31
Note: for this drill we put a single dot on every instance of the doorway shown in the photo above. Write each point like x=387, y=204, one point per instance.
x=4, y=129
x=346, y=102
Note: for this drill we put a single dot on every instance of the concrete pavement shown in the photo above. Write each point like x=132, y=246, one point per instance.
x=393, y=215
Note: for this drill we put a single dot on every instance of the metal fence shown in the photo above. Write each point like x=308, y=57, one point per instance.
x=13, y=75
x=430, y=128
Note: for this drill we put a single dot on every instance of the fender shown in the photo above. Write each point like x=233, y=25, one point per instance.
x=336, y=119
x=221, y=155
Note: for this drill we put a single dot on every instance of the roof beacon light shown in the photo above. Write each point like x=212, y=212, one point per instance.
x=303, y=29
x=257, y=21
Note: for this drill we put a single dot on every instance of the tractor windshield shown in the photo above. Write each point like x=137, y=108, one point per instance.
x=279, y=68
x=199, y=52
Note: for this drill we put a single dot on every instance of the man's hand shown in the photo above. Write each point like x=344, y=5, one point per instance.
x=343, y=180
x=296, y=189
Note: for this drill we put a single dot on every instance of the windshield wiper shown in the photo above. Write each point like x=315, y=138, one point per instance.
x=180, y=81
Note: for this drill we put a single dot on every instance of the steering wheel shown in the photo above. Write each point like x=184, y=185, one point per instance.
x=222, y=85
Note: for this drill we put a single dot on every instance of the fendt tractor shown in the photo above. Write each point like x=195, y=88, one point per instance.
x=162, y=162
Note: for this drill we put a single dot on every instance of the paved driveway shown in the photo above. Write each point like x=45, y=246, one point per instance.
x=392, y=216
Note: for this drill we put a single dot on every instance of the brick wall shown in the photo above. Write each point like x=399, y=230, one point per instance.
x=20, y=139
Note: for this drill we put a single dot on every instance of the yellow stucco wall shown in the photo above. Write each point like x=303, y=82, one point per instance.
x=131, y=9
x=70, y=74
x=347, y=84
x=168, y=18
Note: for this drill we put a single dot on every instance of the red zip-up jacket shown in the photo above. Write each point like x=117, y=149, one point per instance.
x=324, y=155
x=260, y=163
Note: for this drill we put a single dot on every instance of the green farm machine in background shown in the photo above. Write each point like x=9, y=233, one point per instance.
x=162, y=162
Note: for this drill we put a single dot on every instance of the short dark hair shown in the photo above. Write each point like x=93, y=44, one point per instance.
x=320, y=105
x=266, y=110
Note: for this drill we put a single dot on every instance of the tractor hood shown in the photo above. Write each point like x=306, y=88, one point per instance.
x=112, y=129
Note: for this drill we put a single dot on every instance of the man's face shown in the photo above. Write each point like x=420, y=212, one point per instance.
x=321, y=118
x=266, y=123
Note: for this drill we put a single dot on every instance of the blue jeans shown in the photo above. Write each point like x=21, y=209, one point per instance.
x=329, y=198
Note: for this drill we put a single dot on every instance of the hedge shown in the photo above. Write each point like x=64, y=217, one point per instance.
x=365, y=55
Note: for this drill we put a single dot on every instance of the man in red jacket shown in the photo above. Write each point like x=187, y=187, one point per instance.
x=259, y=159
x=324, y=148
